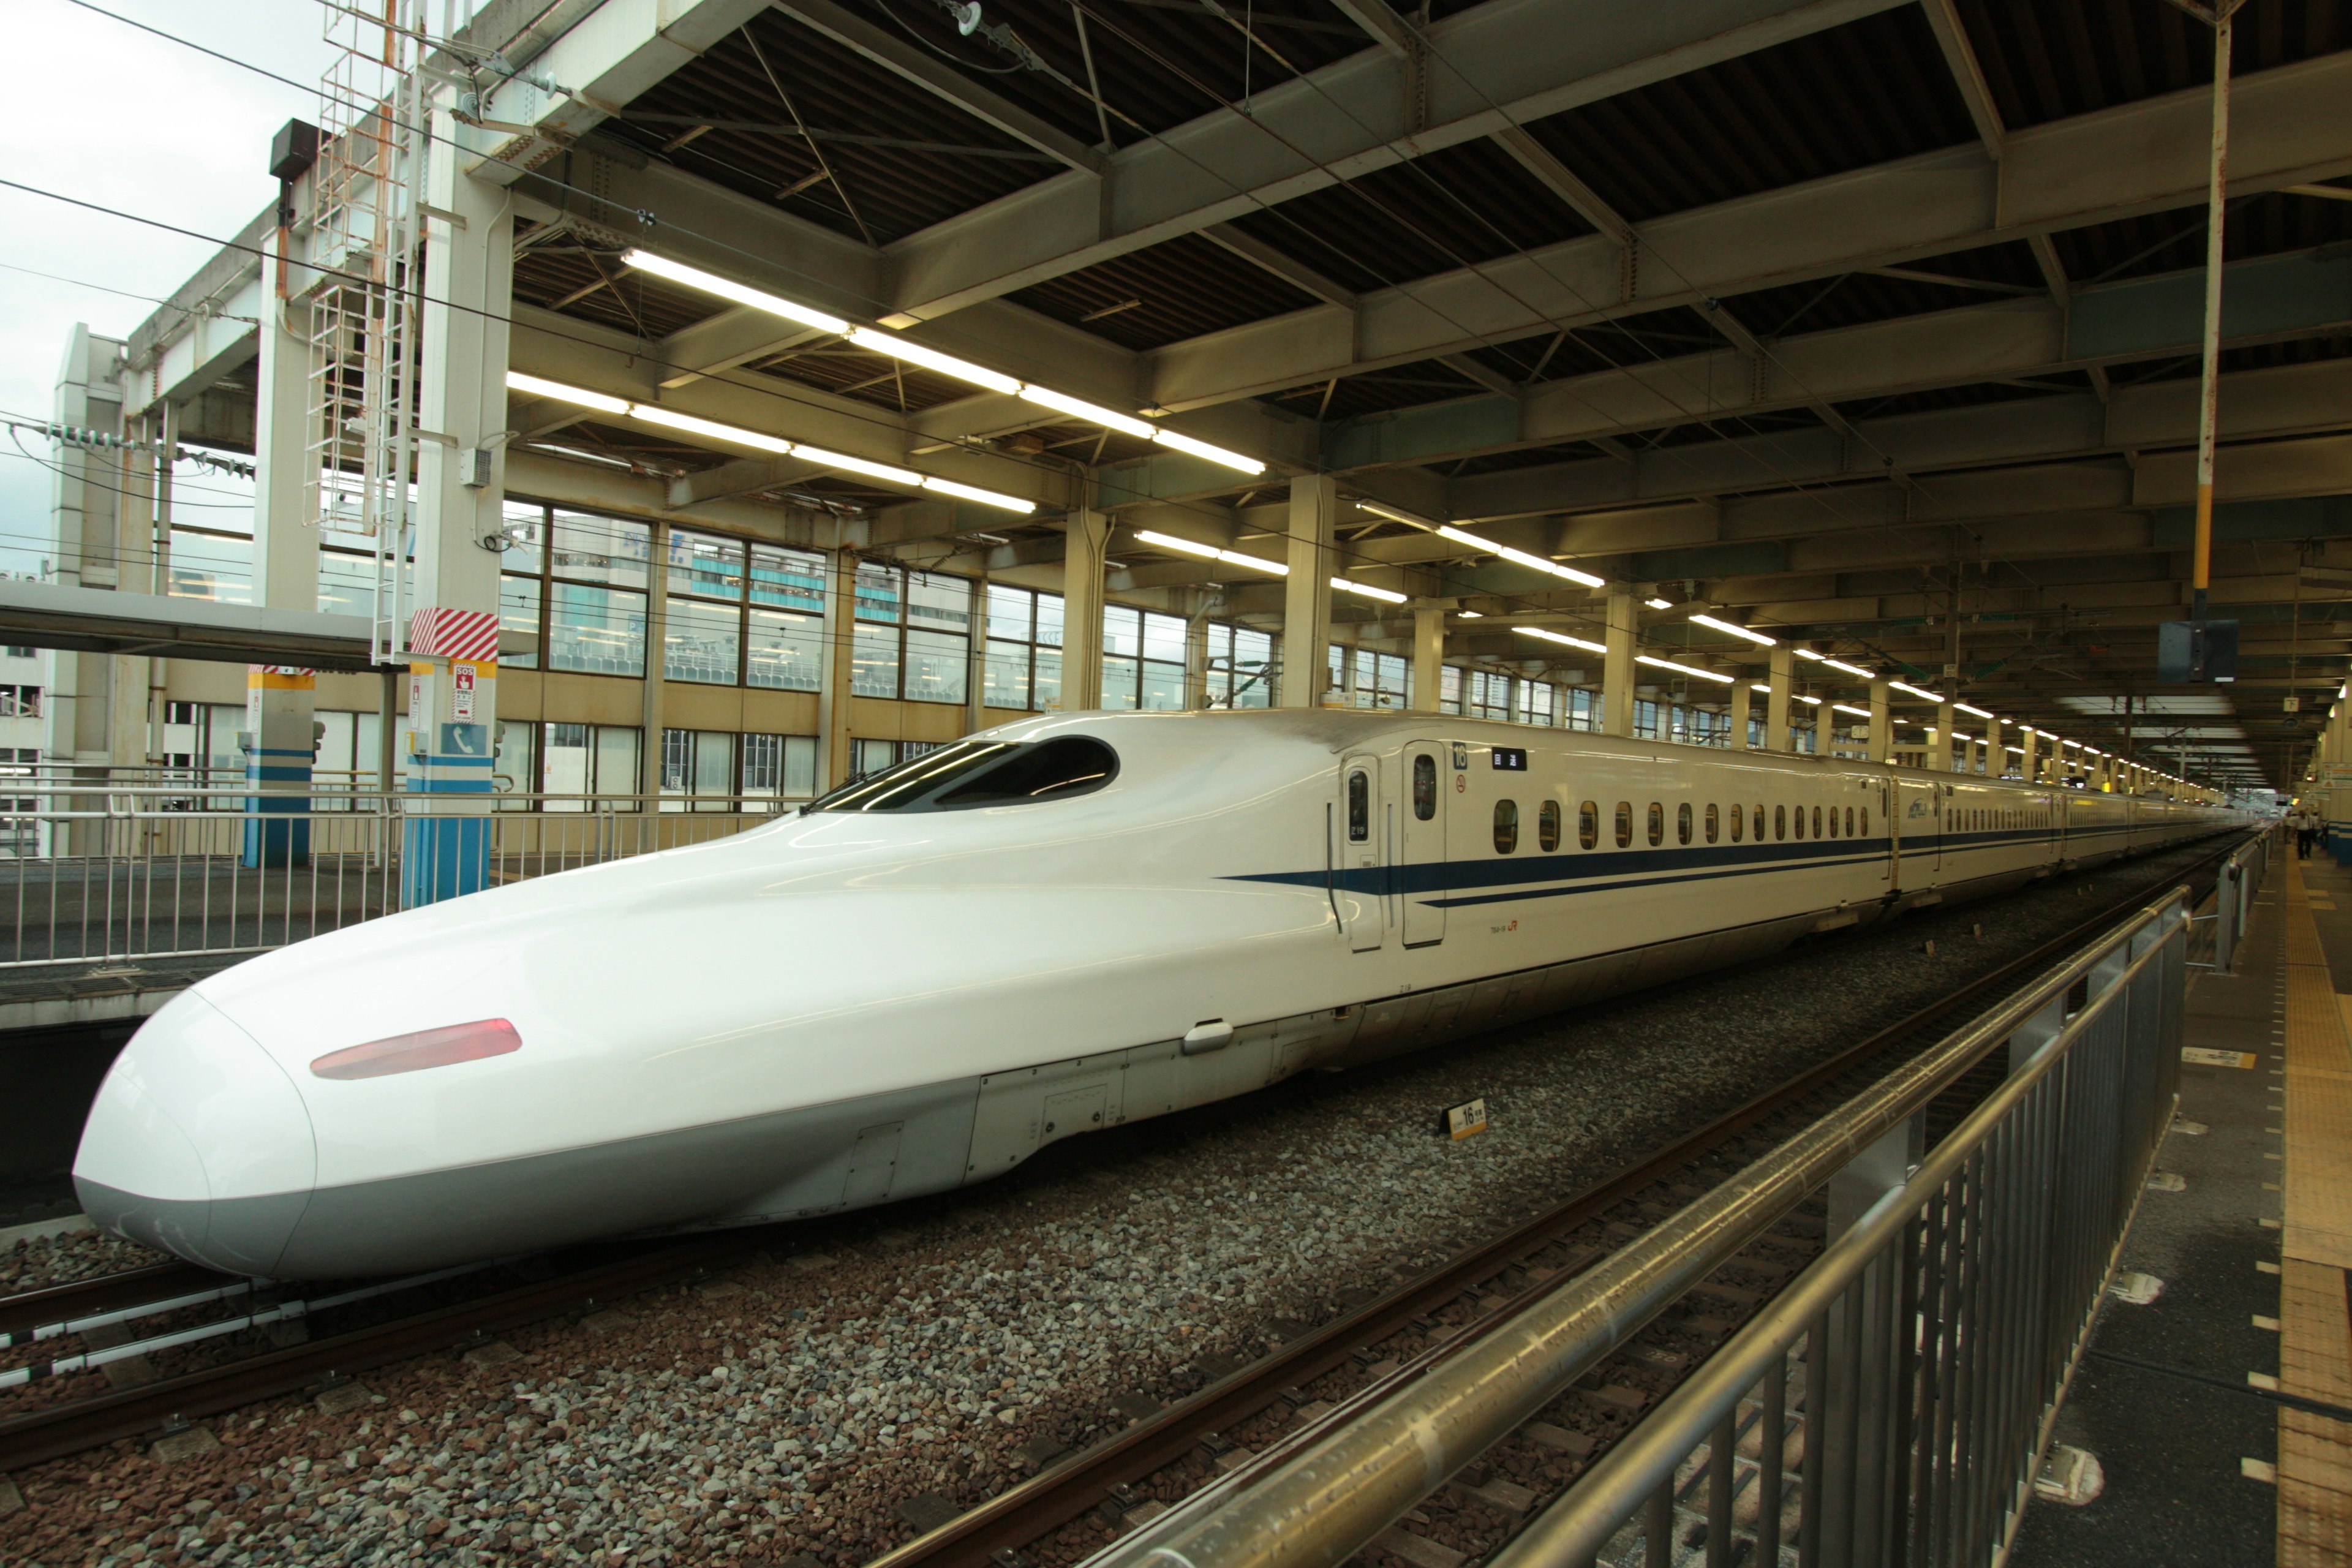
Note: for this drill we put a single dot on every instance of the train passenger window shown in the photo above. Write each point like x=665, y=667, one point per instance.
x=1714, y=821
x=1657, y=825
x=1736, y=823
x=1624, y=823
x=1683, y=823
x=1866, y=822
x=1800, y=822
x=1759, y=822
x=1817, y=822
x=1588, y=824
x=1834, y=826
x=1507, y=826
x=1547, y=826
x=1849, y=822
x=1425, y=787
x=1360, y=805
x=1779, y=821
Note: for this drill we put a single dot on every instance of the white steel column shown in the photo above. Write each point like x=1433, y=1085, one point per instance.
x=460, y=489
x=651, y=718
x=2029, y=765
x=1307, y=592
x=1939, y=749
x=1617, y=664
x=1428, y=657
x=280, y=703
x=1087, y=536
x=1881, y=724
x=1777, y=735
x=1996, y=748
x=834, y=689
x=1743, y=694
x=975, y=664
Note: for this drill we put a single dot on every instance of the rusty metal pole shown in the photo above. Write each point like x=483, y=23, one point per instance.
x=2208, y=399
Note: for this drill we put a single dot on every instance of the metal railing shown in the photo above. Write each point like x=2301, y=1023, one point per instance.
x=2220, y=930
x=106, y=872
x=1891, y=1404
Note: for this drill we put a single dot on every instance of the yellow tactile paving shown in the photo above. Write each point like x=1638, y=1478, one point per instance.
x=2314, y=1462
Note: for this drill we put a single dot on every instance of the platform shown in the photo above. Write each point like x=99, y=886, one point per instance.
x=2209, y=1407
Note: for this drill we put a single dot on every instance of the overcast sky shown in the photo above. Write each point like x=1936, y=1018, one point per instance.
x=92, y=108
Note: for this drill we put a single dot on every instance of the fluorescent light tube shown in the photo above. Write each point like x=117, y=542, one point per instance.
x=1855, y=670
x=896, y=347
x=1201, y=449
x=1385, y=595
x=1713, y=625
x=653, y=415
x=728, y=289
x=1550, y=636
x=1681, y=669
x=974, y=493
x=534, y=387
x=1046, y=398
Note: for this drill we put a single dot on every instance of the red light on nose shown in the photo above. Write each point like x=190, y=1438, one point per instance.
x=425, y=1048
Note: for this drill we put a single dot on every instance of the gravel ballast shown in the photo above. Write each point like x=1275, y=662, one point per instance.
x=944, y=1346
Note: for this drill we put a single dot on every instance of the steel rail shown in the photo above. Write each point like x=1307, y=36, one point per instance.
x=1044, y=1502
x=21, y=1314
x=1332, y=1489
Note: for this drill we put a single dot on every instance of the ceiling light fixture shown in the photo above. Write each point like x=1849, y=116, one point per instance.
x=1560, y=638
x=1972, y=712
x=1915, y=691
x=759, y=441
x=1657, y=603
x=1853, y=669
x=1520, y=556
x=1683, y=668
x=1713, y=625
x=880, y=341
x=1210, y=553
x=1386, y=595
x=1850, y=708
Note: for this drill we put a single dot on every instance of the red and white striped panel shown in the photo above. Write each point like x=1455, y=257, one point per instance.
x=471, y=635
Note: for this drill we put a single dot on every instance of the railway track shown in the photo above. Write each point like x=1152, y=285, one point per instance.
x=1077, y=1504
x=1083, y=1498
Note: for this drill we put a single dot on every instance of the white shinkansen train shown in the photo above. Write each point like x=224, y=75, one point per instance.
x=1059, y=925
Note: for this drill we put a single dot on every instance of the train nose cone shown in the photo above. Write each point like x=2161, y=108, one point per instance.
x=199, y=1144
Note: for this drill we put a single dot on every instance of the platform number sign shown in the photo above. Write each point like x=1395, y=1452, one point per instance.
x=1466, y=1120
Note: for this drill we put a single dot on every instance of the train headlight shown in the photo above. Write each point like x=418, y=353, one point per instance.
x=425, y=1048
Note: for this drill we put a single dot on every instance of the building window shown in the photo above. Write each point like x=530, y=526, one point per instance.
x=1538, y=703
x=20, y=702
x=911, y=638
x=1490, y=695
x=579, y=760
x=1143, y=659
x=1023, y=660
x=1241, y=666
x=1371, y=679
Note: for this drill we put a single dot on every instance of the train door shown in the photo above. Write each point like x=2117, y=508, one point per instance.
x=1421, y=875
x=1917, y=821
x=1360, y=891
x=1881, y=800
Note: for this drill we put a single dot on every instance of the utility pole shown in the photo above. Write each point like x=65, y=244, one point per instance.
x=2209, y=398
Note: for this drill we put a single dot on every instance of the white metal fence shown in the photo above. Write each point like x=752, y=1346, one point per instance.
x=102, y=871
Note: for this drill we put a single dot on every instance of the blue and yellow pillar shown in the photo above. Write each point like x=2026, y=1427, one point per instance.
x=281, y=745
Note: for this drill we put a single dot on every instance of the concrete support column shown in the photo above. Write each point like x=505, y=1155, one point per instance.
x=1996, y=749
x=280, y=701
x=975, y=665
x=1939, y=749
x=833, y=696
x=1428, y=657
x=1825, y=728
x=1307, y=592
x=1087, y=537
x=651, y=719
x=2029, y=766
x=1617, y=665
x=1881, y=724
x=1196, y=655
x=1778, y=736
x=1743, y=693
x=460, y=491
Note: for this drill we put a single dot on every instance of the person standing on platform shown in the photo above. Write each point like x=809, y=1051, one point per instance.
x=2306, y=828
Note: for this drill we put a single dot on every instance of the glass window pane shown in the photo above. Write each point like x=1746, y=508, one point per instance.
x=346, y=583
x=764, y=764
x=608, y=549
x=1163, y=687
x=938, y=602
x=705, y=565
x=525, y=524
x=1046, y=689
x=878, y=593
x=1163, y=637
x=1005, y=678
x=1122, y=630
x=1120, y=677
x=874, y=662
x=617, y=759
x=565, y=747
x=1253, y=661
x=1049, y=620
x=787, y=651
x=702, y=642
x=1011, y=612
x=208, y=566
x=599, y=630
x=519, y=616
x=935, y=665
x=790, y=579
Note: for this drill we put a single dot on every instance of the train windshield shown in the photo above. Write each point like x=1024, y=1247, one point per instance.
x=971, y=774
